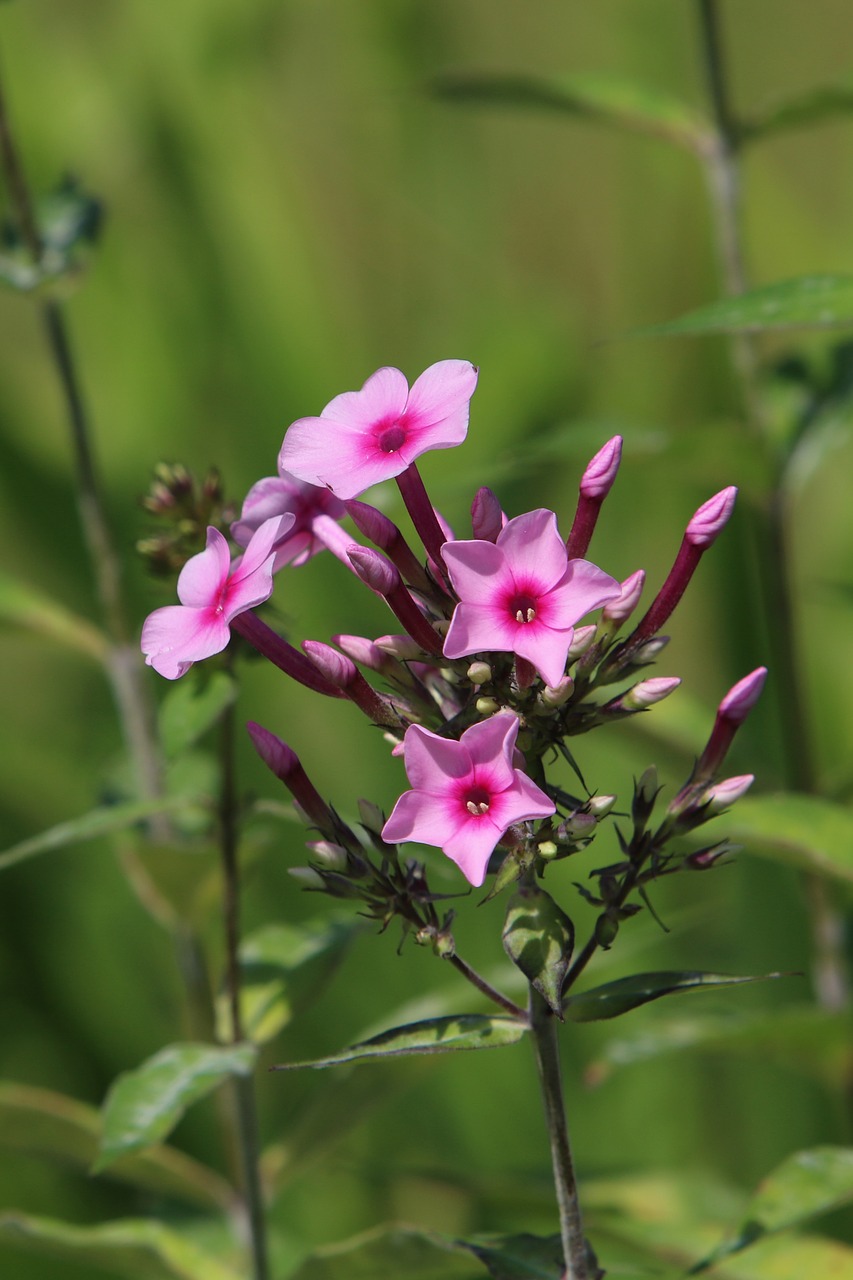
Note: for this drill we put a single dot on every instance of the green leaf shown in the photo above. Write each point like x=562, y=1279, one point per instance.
x=538, y=937
x=136, y=1248
x=23, y=606
x=805, y=1185
x=394, y=1251
x=801, y=831
x=41, y=1122
x=144, y=1105
x=812, y=107
x=434, y=1035
x=806, y=302
x=270, y=960
x=193, y=706
x=599, y=98
x=521, y=1257
x=103, y=821
x=618, y=997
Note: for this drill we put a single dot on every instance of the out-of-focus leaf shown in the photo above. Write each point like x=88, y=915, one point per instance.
x=806, y=302
x=812, y=107
x=806, y=832
x=192, y=706
x=21, y=605
x=270, y=959
x=41, y=1122
x=521, y=1257
x=618, y=997
x=805, y=1185
x=435, y=1035
x=538, y=937
x=144, y=1105
x=600, y=98
x=809, y=1039
x=136, y=1248
x=105, y=820
x=386, y=1252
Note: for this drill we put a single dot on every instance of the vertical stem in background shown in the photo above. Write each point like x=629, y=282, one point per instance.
x=544, y=1031
x=769, y=519
x=124, y=669
x=244, y=1094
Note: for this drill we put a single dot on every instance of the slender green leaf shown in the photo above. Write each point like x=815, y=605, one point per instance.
x=103, y=821
x=387, y=1252
x=192, y=706
x=599, y=98
x=521, y=1257
x=41, y=1122
x=538, y=937
x=22, y=605
x=813, y=107
x=805, y=1185
x=806, y=302
x=618, y=997
x=802, y=831
x=135, y=1248
x=144, y=1105
x=434, y=1035
x=271, y=960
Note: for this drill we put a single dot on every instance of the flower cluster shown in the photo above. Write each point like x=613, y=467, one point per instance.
x=490, y=669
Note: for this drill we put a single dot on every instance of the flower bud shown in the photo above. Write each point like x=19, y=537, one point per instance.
x=403, y=648
x=740, y=699
x=487, y=706
x=336, y=667
x=646, y=790
x=487, y=517
x=600, y=806
x=620, y=609
x=722, y=795
x=331, y=856
x=547, y=849
x=581, y=640
x=365, y=653
x=647, y=692
x=557, y=695
x=703, y=859
x=606, y=929
x=372, y=818
x=711, y=518
x=479, y=673
x=283, y=761
x=600, y=473
x=579, y=825
x=374, y=569
x=383, y=577
x=307, y=877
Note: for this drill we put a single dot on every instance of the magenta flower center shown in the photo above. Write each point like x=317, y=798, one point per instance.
x=522, y=607
x=477, y=801
x=391, y=438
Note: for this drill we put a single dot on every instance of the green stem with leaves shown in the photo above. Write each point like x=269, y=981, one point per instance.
x=769, y=518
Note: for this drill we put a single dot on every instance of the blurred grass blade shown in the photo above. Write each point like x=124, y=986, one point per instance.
x=806, y=302
x=23, y=606
x=434, y=1035
x=192, y=706
x=813, y=107
x=538, y=937
x=137, y=1248
x=805, y=1185
x=144, y=1105
x=618, y=997
x=103, y=821
x=387, y=1252
x=802, y=831
x=521, y=1257
x=43, y=1123
x=601, y=99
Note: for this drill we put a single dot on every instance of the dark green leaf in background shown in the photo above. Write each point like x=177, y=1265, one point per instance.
x=434, y=1035
x=618, y=997
x=802, y=831
x=192, y=706
x=521, y=1257
x=806, y=302
x=539, y=937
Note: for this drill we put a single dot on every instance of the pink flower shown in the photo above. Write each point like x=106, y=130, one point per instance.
x=285, y=495
x=465, y=794
x=522, y=594
x=211, y=596
x=365, y=436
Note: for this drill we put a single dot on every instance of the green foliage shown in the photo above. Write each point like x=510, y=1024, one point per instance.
x=538, y=937
x=143, y=1106
x=619, y=997
x=434, y=1035
x=808, y=302
x=806, y=832
x=23, y=605
x=192, y=707
x=105, y=820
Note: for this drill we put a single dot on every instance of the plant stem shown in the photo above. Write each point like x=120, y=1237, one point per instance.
x=123, y=667
x=543, y=1027
x=476, y=979
x=245, y=1116
x=769, y=519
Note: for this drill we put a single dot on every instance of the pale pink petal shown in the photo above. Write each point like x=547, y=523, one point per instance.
x=175, y=637
x=478, y=570
x=490, y=745
x=432, y=762
x=426, y=818
x=534, y=549
x=262, y=544
x=437, y=412
x=472, y=846
x=271, y=496
x=203, y=576
x=479, y=629
x=523, y=801
x=584, y=587
x=381, y=401
x=545, y=649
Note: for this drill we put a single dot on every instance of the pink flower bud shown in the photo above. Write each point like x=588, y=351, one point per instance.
x=342, y=672
x=740, y=699
x=558, y=694
x=648, y=692
x=711, y=518
x=331, y=856
x=487, y=517
x=283, y=761
x=581, y=640
x=600, y=806
x=337, y=668
x=374, y=569
x=380, y=574
x=724, y=794
x=403, y=648
x=598, y=478
x=620, y=609
x=363, y=651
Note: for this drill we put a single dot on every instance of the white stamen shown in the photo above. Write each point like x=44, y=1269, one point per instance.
x=528, y=617
x=476, y=809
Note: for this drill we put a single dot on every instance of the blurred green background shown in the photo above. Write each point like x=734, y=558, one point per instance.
x=288, y=206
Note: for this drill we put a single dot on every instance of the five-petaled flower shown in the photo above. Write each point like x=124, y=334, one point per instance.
x=465, y=794
x=285, y=495
x=211, y=596
x=362, y=437
x=522, y=594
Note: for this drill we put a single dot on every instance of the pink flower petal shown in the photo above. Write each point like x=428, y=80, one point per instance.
x=545, y=649
x=490, y=745
x=203, y=576
x=381, y=400
x=422, y=817
x=479, y=629
x=433, y=762
x=176, y=636
x=584, y=587
x=533, y=547
x=477, y=569
x=471, y=848
x=438, y=407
